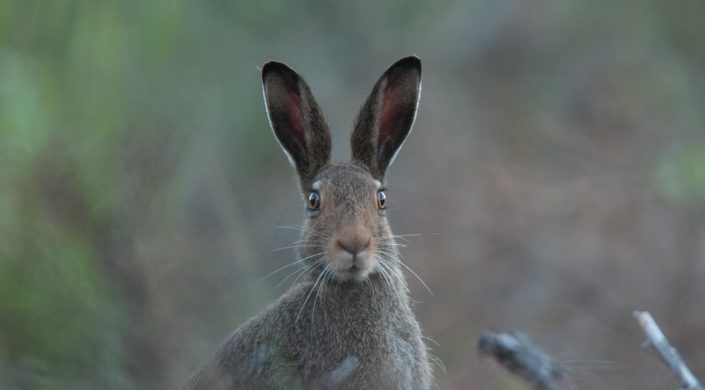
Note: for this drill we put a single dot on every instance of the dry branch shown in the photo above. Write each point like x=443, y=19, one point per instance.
x=668, y=355
x=519, y=355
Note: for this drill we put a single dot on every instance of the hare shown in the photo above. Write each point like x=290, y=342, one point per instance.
x=348, y=324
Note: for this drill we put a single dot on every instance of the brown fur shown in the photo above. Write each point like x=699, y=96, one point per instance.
x=348, y=324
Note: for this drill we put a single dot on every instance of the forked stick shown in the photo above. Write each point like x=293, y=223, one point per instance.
x=669, y=355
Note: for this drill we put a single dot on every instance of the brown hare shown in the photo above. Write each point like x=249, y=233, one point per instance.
x=348, y=324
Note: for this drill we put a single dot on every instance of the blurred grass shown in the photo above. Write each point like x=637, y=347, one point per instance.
x=139, y=182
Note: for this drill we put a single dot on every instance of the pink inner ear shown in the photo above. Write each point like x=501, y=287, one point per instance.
x=296, y=117
x=389, y=113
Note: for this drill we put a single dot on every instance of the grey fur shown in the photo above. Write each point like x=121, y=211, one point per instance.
x=342, y=326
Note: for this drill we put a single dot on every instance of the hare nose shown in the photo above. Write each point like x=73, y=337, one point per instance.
x=354, y=245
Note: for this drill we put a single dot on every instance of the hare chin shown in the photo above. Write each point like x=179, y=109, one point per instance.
x=350, y=272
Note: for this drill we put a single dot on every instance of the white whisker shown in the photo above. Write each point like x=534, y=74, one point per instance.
x=391, y=245
x=407, y=235
x=279, y=269
x=325, y=272
x=288, y=265
x=387, y=272
x=318, y=279
x=397, y=260
x=300, y=272
x=293, y=247
x=305, y=229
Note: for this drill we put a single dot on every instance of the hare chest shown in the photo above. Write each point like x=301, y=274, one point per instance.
x=386, y=355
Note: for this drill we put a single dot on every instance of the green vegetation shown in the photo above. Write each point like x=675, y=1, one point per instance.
x=140, y=184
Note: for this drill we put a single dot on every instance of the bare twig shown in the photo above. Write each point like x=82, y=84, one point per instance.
x=519, y=355
x=668, y=355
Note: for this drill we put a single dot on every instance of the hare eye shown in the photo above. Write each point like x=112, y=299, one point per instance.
x=314, y=200
x=381, y=200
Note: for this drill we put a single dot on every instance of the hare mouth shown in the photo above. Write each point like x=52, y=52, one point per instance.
x=354, y=269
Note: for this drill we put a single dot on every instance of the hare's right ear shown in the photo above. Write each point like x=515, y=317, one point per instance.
x=296, y=120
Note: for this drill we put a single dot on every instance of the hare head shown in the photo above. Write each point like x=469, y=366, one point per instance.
x=345, y=234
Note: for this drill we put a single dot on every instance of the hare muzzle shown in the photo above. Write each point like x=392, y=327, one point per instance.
x=351, y=255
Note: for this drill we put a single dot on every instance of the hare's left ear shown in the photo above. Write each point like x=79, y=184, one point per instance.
x=387, y=116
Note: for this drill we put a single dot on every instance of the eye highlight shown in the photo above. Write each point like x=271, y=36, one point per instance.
x=314, y=201
x=381, y=200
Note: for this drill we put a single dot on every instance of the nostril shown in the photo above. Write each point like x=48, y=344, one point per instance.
x=353, y=246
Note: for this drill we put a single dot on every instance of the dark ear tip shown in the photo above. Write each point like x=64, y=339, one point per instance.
x=276, y=67
x=410, y=62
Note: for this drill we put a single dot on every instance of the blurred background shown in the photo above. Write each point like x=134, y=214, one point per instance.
x=555, y=176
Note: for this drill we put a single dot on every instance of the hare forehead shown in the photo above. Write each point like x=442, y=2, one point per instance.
x=344, y=183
